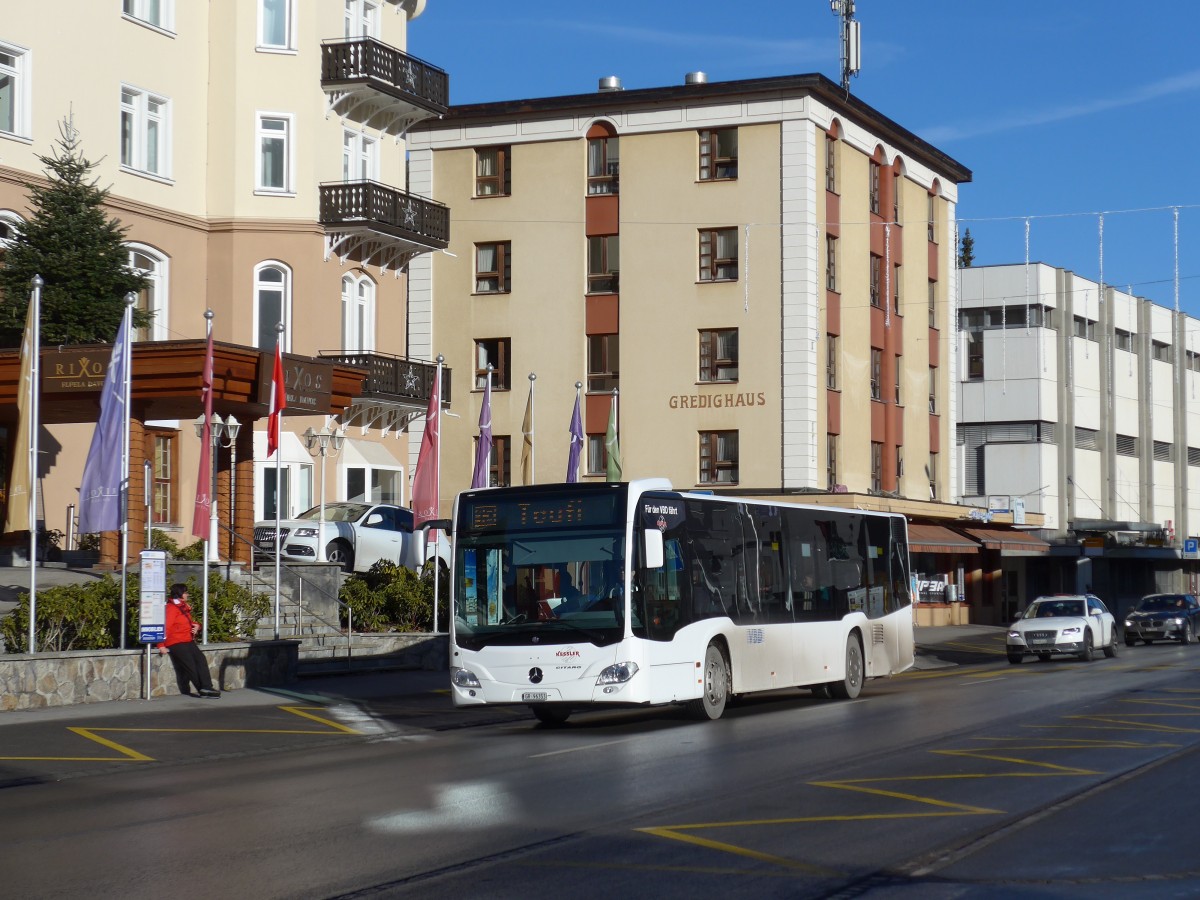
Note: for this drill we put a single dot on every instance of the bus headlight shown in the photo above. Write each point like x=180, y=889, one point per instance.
x=618, y=673
x=464, y=678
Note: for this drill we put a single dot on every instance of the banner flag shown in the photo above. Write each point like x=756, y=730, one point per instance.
x=527, y=440
x=576, y=442
x=483, y=449
x=278, y=401
x=426, y=480
x=100, y=487
x=17, y=516
x=610, y=443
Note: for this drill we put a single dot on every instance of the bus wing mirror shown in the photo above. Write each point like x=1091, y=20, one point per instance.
x=652, y=546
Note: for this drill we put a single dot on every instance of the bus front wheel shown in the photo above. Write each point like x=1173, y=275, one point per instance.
x=850, y=686
x=550, y=715
x=716, y=686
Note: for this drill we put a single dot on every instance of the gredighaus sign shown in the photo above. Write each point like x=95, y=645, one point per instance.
x=717, y=401
x=308, y=383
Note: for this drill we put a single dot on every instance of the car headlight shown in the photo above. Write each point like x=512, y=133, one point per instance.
x=1128, y=624
x=617, y=673
x=305, y=532
x=1177, y=621
x=1070, y=631
x=1015, y=636
x=464, y=678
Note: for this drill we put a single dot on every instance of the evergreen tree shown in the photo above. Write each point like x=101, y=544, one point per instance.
x=966, y=250
x=78, y=251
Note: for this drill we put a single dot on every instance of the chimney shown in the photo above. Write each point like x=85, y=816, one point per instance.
x=611, y=83
x=695, y=78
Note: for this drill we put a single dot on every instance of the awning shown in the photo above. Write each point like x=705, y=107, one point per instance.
x=936, y=539
x=368, y=453
x=1009, y=542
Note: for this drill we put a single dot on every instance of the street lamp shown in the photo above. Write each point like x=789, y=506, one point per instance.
x=224, y=433
x=323, y=443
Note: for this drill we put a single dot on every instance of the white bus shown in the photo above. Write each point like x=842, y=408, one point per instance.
x=576, y=596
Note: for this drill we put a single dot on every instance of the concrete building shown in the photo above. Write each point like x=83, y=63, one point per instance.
x=254, y=151
x=1078, y=401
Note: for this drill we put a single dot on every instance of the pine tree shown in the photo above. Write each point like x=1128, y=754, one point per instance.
x=966, y=250
x=78, y=251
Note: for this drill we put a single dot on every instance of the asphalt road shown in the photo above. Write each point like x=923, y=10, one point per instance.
x=1058, y=779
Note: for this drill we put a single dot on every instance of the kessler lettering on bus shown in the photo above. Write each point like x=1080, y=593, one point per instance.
x=717, y=401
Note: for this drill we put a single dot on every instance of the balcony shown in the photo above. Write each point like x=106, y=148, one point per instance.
x=369, y=82
x=375, y=223
x=395, y=392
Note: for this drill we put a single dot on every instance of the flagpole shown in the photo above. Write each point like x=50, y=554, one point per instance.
x=127, y=322
x=35, y=375
x=210, y=542
x=437, y=541
x=532, y=430
x=278, y=488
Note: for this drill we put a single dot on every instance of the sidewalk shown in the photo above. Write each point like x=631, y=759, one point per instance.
x=939, y=646
x=14, y=581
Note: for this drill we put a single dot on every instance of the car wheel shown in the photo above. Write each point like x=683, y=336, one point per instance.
x=339, y=552
x=716, y=686
x=1015, y=658
x=850, y=686
x=1111, y=650
x=1188, y=635
x=1129, y=642
x=1086, y=653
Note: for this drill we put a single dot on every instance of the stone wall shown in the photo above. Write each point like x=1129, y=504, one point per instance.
x=92, y=676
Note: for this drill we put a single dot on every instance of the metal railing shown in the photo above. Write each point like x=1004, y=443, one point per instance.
x=385, y=209
x=394, y=376
x=365, y=60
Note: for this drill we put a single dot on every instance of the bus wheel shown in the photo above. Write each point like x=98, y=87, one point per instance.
x=716, y=686
x=850, y=686
x=550, y=715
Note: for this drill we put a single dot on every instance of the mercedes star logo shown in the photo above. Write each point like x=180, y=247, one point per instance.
x=535, y=675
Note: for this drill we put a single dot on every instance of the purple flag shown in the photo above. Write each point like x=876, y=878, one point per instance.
x=483, y=450
x=576, y=443
x=100, y=489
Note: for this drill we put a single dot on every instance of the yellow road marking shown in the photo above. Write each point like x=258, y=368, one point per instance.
x=305, y=711
x=674, y=833
x=91, y=735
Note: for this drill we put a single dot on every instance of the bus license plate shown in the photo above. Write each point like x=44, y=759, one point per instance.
x=535, y=695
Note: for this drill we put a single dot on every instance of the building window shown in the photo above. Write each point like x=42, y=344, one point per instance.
x=718, y=457
x=831, y=461
x=597, y=455
x=10, y=224
x=1158, y=349
x=897, y=272
x=932, y=473
x=153, y=297
x=497, y=353
x=899, y=366
x=276, y=24
x=876, y=466
x=14, y=90
x=274, y=171
x=272, y=305
x=933, y=304
x=360, y=157
x=718, y=154
x=933, y=389
x=831, y=361
x=831, y=168
x=159, y=13
x=1127, y=445
x=500, y=460
x=493, y=172
x=718, y=254
x=604, y=264
x=1084, y=328
x=873, y=186
x=932, y=217
x=1163, y=451
x=164, y=459
x=604, y=362
x=831, y=252
x=719, y=354
x=974, y=354
x=362, y=20
x=1191, y=360
x=145, y=132
x=1124, y=340
x=604, y=165
x=493, y=268
x=374, y=484
x=897, y=186
x=899, y=466
x=876, y=374
x=877, y=281
x=358, y=313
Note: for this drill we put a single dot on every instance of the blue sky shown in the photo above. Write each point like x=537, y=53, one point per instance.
x=1062, y=110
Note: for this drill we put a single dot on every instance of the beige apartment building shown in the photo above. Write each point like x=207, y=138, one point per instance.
x=763, y=270
x=254, y=151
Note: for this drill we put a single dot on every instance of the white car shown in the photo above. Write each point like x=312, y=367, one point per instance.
x=354, y=535
x=1063, y=625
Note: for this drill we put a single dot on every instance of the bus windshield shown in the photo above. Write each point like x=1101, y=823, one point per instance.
x=547, y=568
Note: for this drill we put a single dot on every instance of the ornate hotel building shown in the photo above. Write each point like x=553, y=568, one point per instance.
x=254, y=150
x=761, y=272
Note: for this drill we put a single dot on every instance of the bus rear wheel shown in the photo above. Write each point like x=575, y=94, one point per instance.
x=716, y=686
x=850, y=686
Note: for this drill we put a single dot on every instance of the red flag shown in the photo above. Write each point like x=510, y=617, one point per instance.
x=427, y=481
x=278, y=401
x=200, y=518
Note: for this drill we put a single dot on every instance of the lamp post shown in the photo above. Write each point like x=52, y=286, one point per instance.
x=323, y=443
x=224, y=433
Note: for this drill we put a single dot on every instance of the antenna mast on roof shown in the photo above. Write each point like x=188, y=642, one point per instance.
x=851, y=40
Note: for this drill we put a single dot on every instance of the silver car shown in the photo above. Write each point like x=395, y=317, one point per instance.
x=1063, y=625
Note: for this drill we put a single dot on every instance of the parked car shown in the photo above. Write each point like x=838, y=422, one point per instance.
x=1063, y=625
x=1163, y=617
x=354, y=535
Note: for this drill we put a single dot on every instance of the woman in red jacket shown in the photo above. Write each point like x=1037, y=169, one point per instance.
x=190, y=665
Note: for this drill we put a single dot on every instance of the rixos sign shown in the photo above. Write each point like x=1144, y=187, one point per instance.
x=67, y=371
x=308, y=383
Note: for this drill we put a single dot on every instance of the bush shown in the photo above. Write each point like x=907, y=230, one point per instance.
x=160, y=540
x=391, y=597
x=233, y=611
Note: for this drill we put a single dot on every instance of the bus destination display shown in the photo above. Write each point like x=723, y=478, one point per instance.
x=565, y=510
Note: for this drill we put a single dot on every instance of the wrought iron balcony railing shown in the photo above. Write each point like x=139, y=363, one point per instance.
x=349, y=65
x=394, y=378
x=385, y=210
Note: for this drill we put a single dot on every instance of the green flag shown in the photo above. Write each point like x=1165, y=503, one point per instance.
x=611, y=445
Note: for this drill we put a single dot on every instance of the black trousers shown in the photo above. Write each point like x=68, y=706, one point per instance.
x=190, y=667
